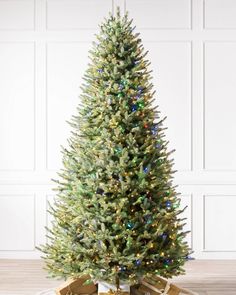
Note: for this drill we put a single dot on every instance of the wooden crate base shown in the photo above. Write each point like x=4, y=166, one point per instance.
x=154, y=286
x=75, y=286
x=160, y=286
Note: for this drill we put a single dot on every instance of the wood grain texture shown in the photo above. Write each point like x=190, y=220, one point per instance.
x=206, y=277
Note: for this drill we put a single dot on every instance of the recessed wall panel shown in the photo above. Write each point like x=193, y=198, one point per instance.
x=16, y=14
x=220, y=14
x=171, y=65
x=219, y=107
x=17, y=106
x=76, y=14
x=17, y=222
x=219, y=223
x=66, y=65
x=160, y=14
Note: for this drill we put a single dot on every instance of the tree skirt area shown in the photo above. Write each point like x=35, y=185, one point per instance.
x=156, y=286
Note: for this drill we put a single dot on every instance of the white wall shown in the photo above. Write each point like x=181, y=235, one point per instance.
x=43, y=54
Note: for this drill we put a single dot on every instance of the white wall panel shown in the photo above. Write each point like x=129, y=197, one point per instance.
x=220, y=14
x=16, y=14
x=17, y=225
x=219, y=223
x=161, y=14
x=76, y=14
x=220, y=93
x=66, y=64
x=17, y=106
x=171, y=64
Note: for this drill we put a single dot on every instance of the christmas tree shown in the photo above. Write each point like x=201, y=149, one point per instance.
x=116, y=214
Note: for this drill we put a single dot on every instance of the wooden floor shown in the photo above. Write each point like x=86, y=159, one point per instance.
x=206, y=277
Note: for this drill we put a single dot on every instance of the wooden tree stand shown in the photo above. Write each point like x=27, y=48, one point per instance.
x=155, y=286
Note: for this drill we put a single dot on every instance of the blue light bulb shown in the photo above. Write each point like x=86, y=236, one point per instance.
x=134, y=108
x=145, y=170
x=168, y=204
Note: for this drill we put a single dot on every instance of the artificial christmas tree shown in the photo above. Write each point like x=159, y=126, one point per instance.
x=116, y=216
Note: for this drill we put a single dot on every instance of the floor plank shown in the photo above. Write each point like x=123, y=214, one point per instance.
x=209, y=277
x=206, y=277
